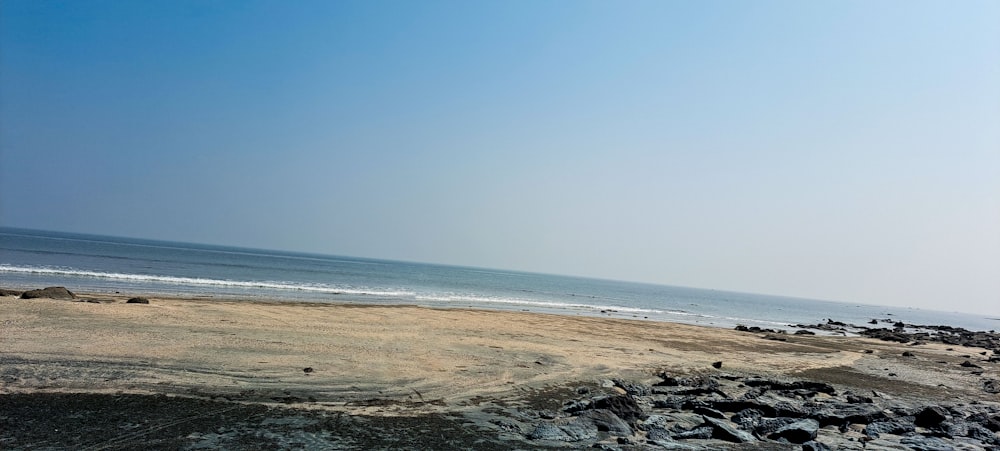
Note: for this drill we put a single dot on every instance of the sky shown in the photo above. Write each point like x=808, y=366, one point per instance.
x=838, y=150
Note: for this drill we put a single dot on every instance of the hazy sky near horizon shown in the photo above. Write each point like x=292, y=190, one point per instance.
x=841, y=150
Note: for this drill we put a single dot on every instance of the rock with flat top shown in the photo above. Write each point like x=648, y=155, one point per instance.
x=49, y=293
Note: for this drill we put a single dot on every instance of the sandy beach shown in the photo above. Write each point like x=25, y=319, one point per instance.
x=398, y=363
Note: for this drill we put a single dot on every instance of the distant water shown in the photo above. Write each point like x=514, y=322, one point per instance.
x=100, y=264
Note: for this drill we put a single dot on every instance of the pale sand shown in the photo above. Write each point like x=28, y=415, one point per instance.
x=256, y=351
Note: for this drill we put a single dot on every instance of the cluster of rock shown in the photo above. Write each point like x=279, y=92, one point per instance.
x=62, y=293
x=901, y=332
x=722, y=411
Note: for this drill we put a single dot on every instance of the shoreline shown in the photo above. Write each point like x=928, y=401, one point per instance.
x=400, y=361
x=978, y=323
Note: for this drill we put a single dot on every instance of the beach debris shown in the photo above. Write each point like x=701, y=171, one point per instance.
x=137, y=300
x=49, y=293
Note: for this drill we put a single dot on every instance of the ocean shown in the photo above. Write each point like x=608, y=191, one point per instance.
x=100, y=264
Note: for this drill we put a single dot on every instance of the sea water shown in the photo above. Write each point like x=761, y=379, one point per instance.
x=101, y=264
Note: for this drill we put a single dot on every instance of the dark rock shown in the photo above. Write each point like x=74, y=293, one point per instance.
x=623, y=406
x=858, y=399
x=307, y=370
x=991, y=386
x=922, y=443
x=896, y=426
x=931, y=416
x=984, y=435
x=767, y=426
x=775, y=337
x=709, y=412
x=795, y=385
x=625, y=441
x=578, y=405
x=874, y=321
x=49, y=293
x=724, y=430
x=739, y=405
x=969, y=364
x=956, y=428
x=578, y=429
x=698, y=433
x=5, y=292
x=717, y=365
x=582, y=390
x=659, y=434
x=668, y=381
x=993, y=423
x=137, y=300
x=886, y=335
x=814, y=445
x=804, y=332
x=798, y=432
x=608, y=422
x=840, y=414
x=747, y=419
x=546, y=431
x=755, y=329
x=908, y=354
x=632, y=388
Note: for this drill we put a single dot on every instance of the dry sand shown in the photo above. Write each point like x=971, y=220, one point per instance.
x=362, y=352
x=406, y=360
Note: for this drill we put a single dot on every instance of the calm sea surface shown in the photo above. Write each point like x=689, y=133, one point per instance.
x=99, y=264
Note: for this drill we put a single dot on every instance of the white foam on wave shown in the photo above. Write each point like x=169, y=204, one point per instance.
x=463, y=298
x=197, y=281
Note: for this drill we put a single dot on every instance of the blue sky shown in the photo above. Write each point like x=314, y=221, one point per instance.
x=841, y=150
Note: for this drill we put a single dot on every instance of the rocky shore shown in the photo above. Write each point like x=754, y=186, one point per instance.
x=724, y=411
x=80, y=371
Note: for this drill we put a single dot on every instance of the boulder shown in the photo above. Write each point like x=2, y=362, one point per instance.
x=698, y=433
x=49, y=293
x=546, y=431
x=5, y=292
x=606, y=421
x=895, y=426
x=931, y=416
x=800, y=431
x=137, y=300
x=748, y=419
x=724, y=430
x=623, y=406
